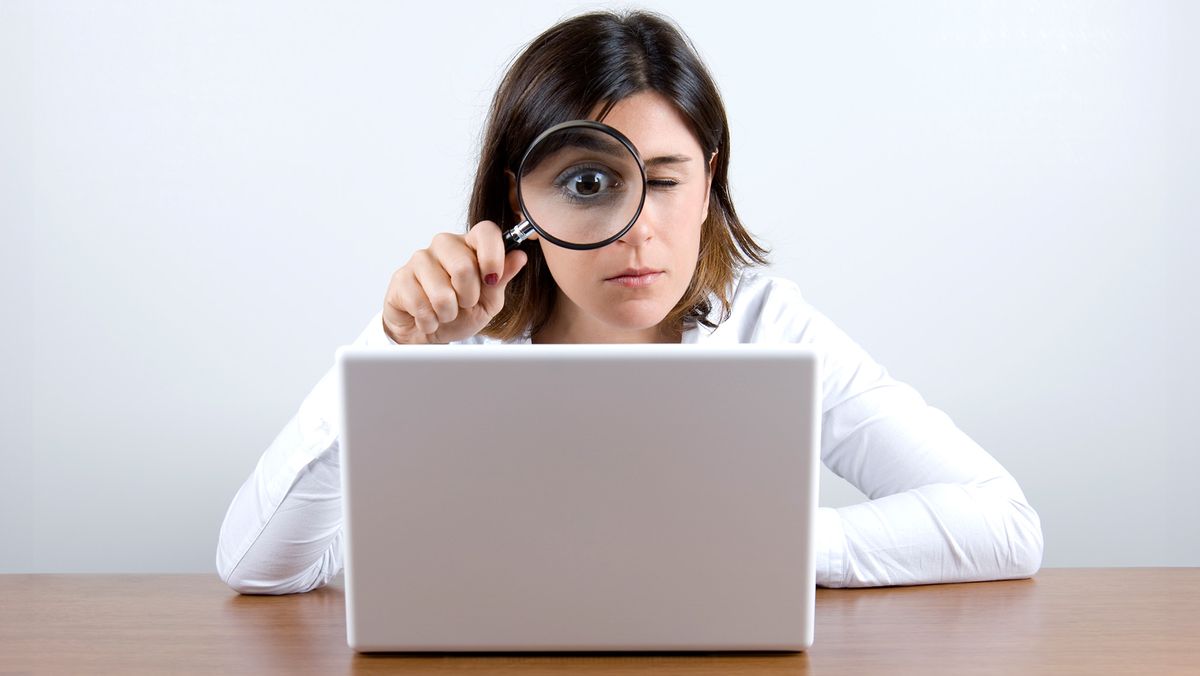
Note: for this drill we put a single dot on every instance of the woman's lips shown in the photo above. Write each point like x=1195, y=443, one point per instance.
x=636, y=280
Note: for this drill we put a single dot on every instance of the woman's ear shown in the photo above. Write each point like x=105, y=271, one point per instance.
x=513, y=202
x=712, y=170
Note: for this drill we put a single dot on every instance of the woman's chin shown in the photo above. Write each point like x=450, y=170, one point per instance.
x=638, y=316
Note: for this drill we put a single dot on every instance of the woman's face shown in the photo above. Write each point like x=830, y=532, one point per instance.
x=596, y=303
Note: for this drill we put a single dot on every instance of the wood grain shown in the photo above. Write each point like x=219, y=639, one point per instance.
x=1085, y=621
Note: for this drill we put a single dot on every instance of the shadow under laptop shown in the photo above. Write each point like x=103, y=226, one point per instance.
x=614, y=662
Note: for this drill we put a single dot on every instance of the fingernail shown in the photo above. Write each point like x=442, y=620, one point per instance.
x=491, y=279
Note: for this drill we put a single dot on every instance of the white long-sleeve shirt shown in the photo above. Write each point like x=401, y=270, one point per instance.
x=940, y=508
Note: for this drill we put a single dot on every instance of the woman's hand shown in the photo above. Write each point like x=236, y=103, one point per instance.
x=443, y=292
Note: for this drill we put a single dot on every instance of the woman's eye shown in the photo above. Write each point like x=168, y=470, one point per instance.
x=663, y=183
x=589, y=183
x=586, y=183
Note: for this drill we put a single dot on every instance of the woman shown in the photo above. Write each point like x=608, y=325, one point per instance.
x=941, y=509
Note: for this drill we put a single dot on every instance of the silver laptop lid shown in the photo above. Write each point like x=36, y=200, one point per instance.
x=579, y=497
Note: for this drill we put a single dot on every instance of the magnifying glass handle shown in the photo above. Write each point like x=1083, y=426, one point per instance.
x=519, y=233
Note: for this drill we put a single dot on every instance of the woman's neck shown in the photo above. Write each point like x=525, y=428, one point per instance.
x=561, y=328
x=651, y=335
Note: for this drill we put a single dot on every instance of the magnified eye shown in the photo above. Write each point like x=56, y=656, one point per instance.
x=587, y=183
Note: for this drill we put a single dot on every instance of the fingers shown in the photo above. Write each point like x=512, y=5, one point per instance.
x=456, y=261
x=436, y=285
x=412, y=300
x=442, y=294
x=492, y=298
x=513, y=262
x=487, y=241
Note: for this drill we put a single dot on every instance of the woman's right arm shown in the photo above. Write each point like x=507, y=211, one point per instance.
x=283, y=531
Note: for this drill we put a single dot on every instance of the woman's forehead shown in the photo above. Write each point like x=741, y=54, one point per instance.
x=656, y=127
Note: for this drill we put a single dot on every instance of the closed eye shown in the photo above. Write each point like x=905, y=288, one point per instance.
x=663, y=183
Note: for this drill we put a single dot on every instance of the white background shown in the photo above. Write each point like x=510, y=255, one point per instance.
x=201, y=201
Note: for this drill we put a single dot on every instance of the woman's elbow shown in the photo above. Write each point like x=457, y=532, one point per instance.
x=248, y=585
x=262, y=571
x=245, y=581
x=240, y=582
x=1025, y=542
x=241, y=585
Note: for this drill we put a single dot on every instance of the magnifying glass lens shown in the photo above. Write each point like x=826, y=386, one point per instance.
x=581, y=185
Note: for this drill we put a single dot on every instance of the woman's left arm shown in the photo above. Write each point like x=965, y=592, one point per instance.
x=941, y=508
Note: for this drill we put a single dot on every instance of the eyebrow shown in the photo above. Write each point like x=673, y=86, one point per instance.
x=667, y=159
x=607, y=146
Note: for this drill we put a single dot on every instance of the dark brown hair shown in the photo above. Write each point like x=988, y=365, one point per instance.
x=600, y=58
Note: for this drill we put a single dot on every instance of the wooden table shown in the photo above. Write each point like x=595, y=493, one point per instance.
x=1133, y=620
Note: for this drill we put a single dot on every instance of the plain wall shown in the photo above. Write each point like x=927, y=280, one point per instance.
x=201, y=201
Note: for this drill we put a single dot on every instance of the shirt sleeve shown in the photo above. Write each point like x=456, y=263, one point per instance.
x=940, y=508
x=283, y=531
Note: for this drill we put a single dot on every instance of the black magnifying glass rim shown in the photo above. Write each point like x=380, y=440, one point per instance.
x=596, y=126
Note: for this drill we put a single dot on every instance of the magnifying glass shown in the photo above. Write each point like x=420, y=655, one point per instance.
x=581, y=185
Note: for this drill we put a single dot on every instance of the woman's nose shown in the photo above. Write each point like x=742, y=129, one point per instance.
x=642, y=229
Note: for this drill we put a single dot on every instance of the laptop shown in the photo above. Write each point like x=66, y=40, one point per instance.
x=579, y=497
